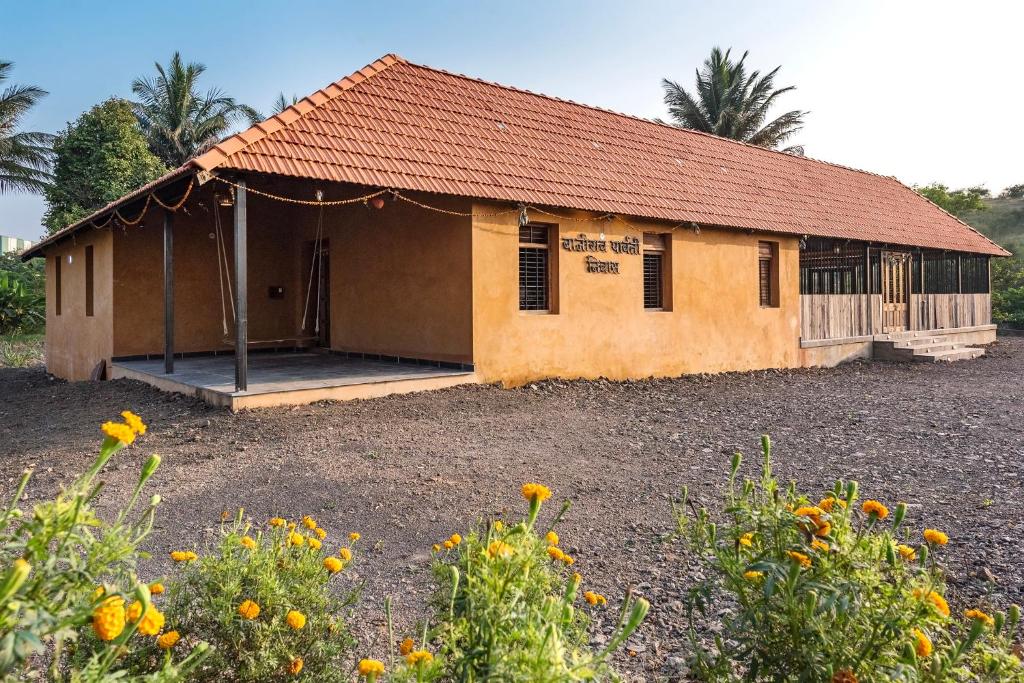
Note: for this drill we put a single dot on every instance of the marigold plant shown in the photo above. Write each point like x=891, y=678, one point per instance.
x=509, y=610
x=821, y=589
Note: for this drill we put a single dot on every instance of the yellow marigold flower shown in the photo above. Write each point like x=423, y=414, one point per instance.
x=296, y=619
x=276, y=521
x=368, y=667
x=249, y=609
x=354, y=536
x=823, y=529
x=152, y=622
x=593, y=598
x=747, y=539
x=308, y=522
x=498, y=525
x=108, y=618
x=939, y=602
x=248, y=542
x=978, y=615
x=156, y=588
x=820, y=546
x=168, y=640
x=827, y=504
x=134, y=422
x=419, y=656
x=436, y=548
x=809, y=511
x=499, y=549
x=569, y=561
x=555, y=553
x=551, y=537
x=906, y=552
x=455, y=539
x=333, y=565
x=119, y=431
x=922, y=643
x=536, y=492
x=448, y=545
x=935, y=537
x=406, y=647
x=320, y=533
x=291, y=526
x=873, y=507
x=183, y=556
x=844, y=676
x=801, y=559
x=133, y=612
x=577, y=577
x=346, y=554
x=295, y=666
x=296, y=539
x=751, y=575
x=314, y=543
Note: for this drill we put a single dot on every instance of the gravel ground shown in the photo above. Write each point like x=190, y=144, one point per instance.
x=407, y=471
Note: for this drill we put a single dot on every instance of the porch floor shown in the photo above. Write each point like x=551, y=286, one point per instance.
x=289, y=378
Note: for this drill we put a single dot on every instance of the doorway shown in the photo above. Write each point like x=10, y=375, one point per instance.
x=895, y=277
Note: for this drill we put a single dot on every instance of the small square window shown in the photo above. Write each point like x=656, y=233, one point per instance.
x=535, y=268
x=768, y=274
x=657, y=285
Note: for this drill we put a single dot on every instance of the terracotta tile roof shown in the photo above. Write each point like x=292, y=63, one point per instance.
x=400, y=125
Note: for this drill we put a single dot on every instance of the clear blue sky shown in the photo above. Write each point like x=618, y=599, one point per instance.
x=921, y=90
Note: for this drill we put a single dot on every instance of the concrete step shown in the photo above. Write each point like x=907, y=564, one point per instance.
x=949, y=355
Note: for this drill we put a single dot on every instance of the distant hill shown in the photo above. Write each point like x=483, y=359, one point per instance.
x=1003, y=222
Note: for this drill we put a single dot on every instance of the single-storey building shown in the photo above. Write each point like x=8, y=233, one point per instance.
x=408, y=228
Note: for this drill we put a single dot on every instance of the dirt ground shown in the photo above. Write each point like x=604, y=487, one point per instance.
x=407, y=471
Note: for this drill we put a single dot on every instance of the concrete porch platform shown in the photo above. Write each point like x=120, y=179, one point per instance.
x=289, y=378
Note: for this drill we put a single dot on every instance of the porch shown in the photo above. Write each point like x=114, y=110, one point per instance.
x=292, y=377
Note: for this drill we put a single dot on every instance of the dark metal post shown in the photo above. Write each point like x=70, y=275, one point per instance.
x=867, y=287
x=241, y=295
x=959, y=276
x=168, y=292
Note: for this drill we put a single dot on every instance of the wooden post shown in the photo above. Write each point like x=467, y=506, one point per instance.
x=168, y=292
x=959, y=276
x=241, y=293
x=867, y=288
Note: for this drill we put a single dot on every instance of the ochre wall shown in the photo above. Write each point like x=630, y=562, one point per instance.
x=601, y=328
x=76, y=343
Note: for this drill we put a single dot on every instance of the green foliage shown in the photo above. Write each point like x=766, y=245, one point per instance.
x=21, y=350
x=99, y=158
x=22, y=295
x=53, y=557
x=829, y=592
x=956, y=202
x=1013, y=192
x=1008, y=287
x=506, y=612
x=177, y=119
x=731, y=103
x=278, y=576
x=24, y=156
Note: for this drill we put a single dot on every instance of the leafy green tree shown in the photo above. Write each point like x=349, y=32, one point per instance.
x=180, y=122
x=731, y=103
x=1008, y=287
x=956, y=202
x=1013, y=192
x=24, y=156
x=97, y=159
x=282, y=103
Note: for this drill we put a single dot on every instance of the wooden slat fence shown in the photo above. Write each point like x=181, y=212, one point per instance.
x=946, y=311
x=839, y=316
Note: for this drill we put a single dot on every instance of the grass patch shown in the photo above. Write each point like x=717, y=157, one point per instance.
x=21, y=350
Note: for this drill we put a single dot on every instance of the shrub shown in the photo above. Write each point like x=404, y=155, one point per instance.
x=507, y=610
x=830, y=591
x=262, y=598
x=67, y=572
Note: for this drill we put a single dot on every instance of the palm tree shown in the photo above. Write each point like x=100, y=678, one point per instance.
x=24, y=156
x=731, y=104
x=282, y=103
x=178, y=121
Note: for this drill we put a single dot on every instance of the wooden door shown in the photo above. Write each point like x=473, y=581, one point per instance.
x=895, y=277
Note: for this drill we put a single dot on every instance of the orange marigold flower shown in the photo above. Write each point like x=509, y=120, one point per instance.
x=844, y=676
x=906, y=552
x=536, y=492
x=370, y=667
x=346, y=554
x=314, y=543
x=295, y=666
x=809, y=511
x=295, y=619
x=249, y=609
x=455, y=539
x=922, y=643
x=935, y=537
x=436, y=548
x=448, y=545
x=134, y=422
x=333, y=565
x=820, y=546
x=276, y=521
x=823, y=529
x=168, y=640
x=183, y=556
x=498, y=525
x=555, y=553
x=827, y=504
x=873, y=507
x=978, y=615
x=108, y=618
x=119, y=431
x=296, y=539
x=152, y=622
x=499, y=549
x=308, y=522
x=747, y=539
x=248, y=542
x=320, y=533
x=801, y=559
x=156, y=588
x=354, y=536
x=937, y=601
x=416, y=657
x=752, y=574
x=593, y=598
x=551, y=537
x=406, y=646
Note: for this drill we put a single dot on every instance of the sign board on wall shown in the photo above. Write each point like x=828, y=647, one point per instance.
x=581, y=243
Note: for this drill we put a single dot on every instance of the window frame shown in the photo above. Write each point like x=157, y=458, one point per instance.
x=768, y=257
x=658, y=244
x=57, y=278
x=90, y=296
x=551, y=269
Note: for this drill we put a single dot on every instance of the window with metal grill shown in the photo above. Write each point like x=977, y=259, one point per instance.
x=534, y=268
x=767, y=273
x=654, y=271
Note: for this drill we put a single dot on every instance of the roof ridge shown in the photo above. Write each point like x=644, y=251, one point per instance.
x=219, y=153
x=641, y=119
